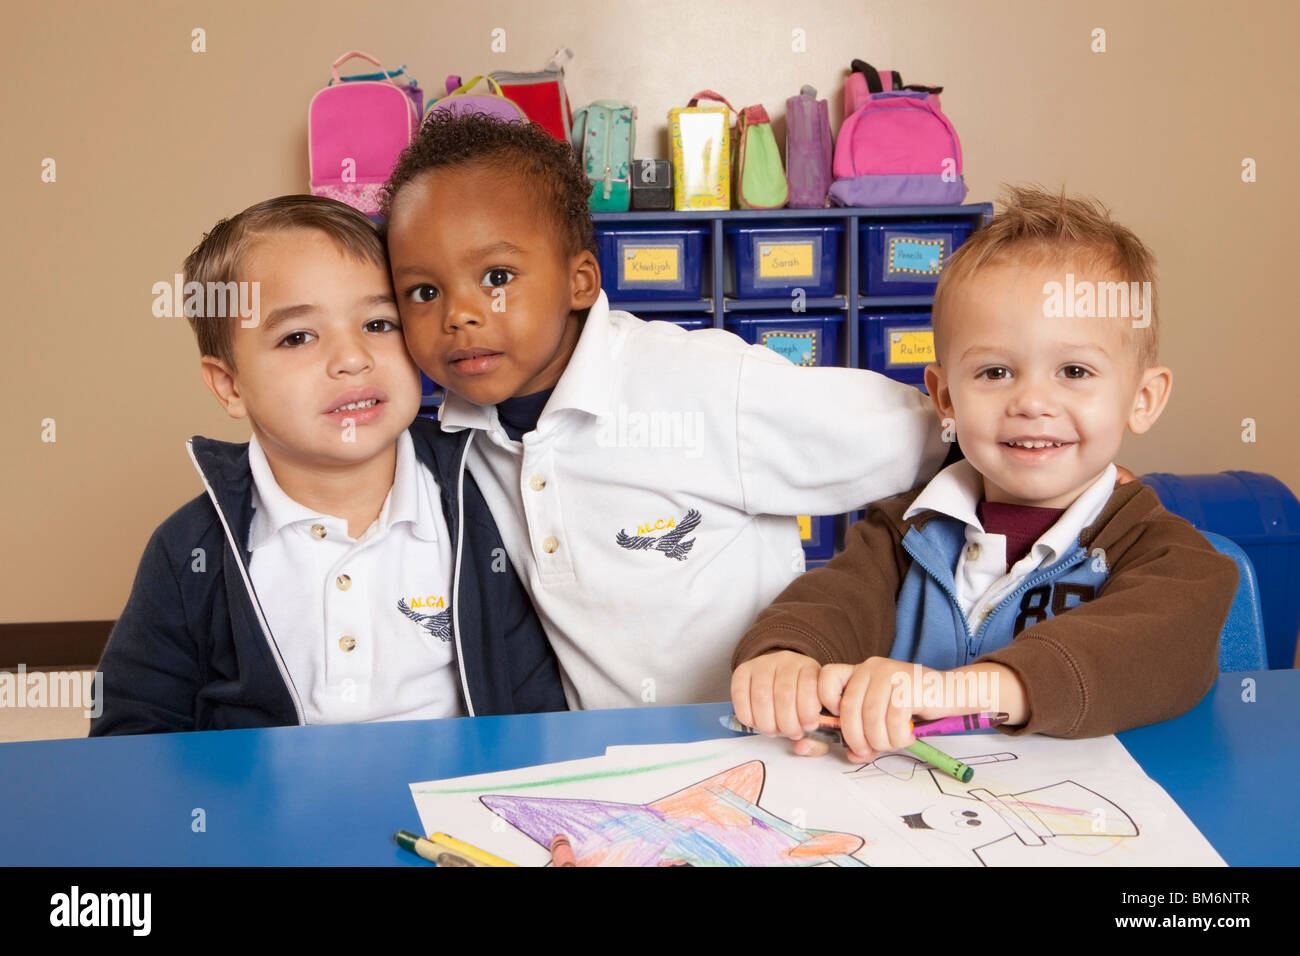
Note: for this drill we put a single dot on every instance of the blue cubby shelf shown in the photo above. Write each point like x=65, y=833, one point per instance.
x=721, y=304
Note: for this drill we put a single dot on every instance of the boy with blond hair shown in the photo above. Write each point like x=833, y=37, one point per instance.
x=1080, y=607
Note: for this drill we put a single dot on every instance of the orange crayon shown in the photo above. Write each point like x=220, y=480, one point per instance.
x=562, y=851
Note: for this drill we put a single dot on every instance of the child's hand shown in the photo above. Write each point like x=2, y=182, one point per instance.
x=873, y=719
x=776, y=693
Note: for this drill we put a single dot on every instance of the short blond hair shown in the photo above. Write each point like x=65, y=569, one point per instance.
x=1038, y=226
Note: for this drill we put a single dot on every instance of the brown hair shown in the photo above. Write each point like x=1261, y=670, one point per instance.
x=1038, y=226
x=219, y=257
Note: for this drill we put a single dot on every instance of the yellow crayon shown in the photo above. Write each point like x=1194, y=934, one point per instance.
x=482, y=857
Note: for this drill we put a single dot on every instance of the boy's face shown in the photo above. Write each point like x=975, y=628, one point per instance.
x=328, y=335
x=1011, y=375
x=486, y=292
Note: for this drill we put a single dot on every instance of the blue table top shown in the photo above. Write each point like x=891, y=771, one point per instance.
x=334, y=795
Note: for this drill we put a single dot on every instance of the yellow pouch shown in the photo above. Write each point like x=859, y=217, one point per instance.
x=701, y=153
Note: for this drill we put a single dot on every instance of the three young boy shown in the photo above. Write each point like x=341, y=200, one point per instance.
x=647, y=563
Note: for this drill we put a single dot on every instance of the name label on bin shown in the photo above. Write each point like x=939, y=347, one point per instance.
x=917, y=257
x=799, y=347
x=805, y=527
x=912, y=347
x=786, y=260
x=651, y=264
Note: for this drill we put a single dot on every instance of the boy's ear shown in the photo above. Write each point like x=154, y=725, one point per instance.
x=936, y=383
x=584, y=281
x=1152, y=396
x=222, y=383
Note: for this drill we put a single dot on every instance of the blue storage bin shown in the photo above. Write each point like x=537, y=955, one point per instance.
x=906, y=258
x=1262, y=515
x=803, y=339
x=772, y=261
x=898, y=343
x=817, y=532
x=637, y=264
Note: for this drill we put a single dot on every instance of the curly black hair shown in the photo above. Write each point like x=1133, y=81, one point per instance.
x=523, y=149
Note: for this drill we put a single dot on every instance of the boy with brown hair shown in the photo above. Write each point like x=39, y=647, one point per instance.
x=341, y=566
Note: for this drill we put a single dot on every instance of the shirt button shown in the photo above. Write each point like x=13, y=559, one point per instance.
x=343, y=581
x=347, y=642
x=537, y=482
x=550, y=545
x=318, y=531
x=972, y=551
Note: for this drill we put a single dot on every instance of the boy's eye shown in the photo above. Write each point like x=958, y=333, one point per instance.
x=296, y=339
x=423, y=293
x=1076, y=371
x=381, y=325
x=995, y=374
x=497, y=277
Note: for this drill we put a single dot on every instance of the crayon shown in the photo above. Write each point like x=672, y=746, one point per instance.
x=468, y=851
x=954, y=768
x=428, y=850
x=958, y=724
x=830, y=734
x=562, y=851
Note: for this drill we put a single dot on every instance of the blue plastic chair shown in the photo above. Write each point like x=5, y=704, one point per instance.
x=1241, y=644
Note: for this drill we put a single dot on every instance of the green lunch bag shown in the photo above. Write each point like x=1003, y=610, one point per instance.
x=604, y=134
x=760, y=177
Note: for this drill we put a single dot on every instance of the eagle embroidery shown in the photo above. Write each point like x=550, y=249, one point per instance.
x=438, y=625
x=670, y=542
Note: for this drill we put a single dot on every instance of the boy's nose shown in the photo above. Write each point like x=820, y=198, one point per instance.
x=461, y=311
x=1032, y=397
x=350, y=356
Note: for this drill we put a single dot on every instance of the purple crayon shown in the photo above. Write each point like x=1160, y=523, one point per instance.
x=956, y=725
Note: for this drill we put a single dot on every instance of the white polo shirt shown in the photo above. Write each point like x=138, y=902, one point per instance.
x=650, y=513
x=981, y=575
x=363, y=625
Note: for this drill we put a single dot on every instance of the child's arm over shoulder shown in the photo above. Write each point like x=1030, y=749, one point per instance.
x=843, y=611
x=152, y=664
x=828, y=440
x=1145, y=649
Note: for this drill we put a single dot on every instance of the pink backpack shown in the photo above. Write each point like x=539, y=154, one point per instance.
x=895, y=148
x=355, y=133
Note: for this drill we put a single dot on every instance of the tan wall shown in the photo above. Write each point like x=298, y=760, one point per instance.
x=155, y=143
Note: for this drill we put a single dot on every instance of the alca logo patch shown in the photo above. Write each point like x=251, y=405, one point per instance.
x=438, y=625
x=673, y=543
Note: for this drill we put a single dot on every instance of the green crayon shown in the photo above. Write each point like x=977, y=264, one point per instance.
x=949, y=765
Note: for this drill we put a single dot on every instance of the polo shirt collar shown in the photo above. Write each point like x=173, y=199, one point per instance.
x=274, y=510
x=957, y=490
x=586, y=384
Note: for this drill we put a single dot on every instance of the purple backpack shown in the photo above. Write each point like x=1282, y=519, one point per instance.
x=355, y=133
x=460, y=100
x=896, y=148
x=807, y=150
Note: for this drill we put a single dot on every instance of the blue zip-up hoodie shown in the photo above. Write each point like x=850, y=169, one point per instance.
x=192, y=650
x=929, y=626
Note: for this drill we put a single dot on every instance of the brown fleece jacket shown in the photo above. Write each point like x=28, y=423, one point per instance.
x=1144, y=649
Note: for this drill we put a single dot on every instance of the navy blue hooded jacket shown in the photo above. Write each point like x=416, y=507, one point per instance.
x=192, y=650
